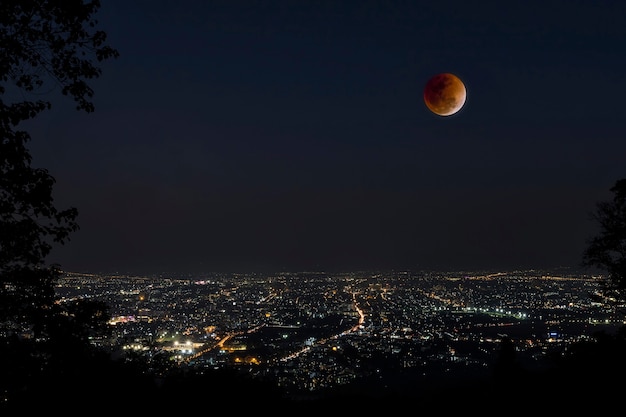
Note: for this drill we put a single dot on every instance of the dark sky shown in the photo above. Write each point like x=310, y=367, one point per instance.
x=292, y=135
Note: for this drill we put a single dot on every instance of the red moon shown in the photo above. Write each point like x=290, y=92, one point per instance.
x=445, y=94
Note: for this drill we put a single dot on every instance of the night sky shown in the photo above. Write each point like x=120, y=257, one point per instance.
x=267, y=136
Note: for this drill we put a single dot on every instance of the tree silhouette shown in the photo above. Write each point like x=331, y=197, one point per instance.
x=603, y=359
x=607, y=250
x=506, y=366
x=44, y=45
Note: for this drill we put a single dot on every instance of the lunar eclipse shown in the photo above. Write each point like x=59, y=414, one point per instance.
x=445, y=94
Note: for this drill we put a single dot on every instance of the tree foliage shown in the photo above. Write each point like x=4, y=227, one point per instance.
x=607, y=250
x=51, y=41
x=45, y=45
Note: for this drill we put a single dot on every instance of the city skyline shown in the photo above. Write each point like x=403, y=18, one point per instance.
x=252, y=136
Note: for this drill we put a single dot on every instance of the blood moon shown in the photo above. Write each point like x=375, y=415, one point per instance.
x=445, y=94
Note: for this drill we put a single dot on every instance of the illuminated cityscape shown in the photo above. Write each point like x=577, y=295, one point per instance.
x=310, y=331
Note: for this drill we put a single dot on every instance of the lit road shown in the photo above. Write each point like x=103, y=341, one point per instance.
x=324, y=341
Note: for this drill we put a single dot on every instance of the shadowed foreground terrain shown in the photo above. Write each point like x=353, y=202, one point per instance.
x=587, y=379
